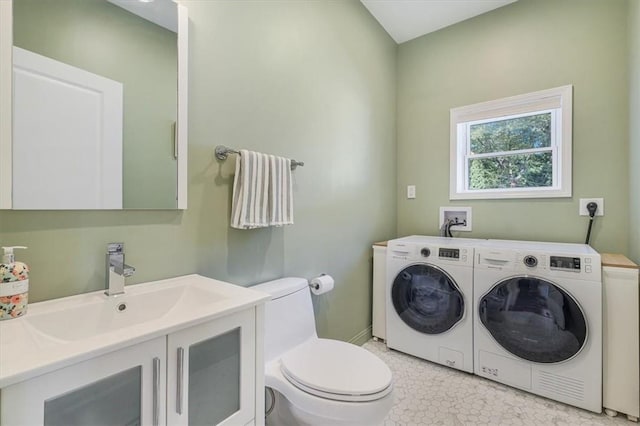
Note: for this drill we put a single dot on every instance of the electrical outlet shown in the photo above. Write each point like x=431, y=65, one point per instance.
x=583, y=206
x=411, y=191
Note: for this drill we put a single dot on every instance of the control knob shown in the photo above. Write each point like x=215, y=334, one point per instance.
x=530, y=261
x=425, y=252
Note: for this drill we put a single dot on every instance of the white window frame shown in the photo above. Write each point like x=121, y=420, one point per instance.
x=557, y=101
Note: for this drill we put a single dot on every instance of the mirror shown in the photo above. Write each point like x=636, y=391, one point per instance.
x=99, y=105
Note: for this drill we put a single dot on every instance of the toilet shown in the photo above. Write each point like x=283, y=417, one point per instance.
x=314, y=381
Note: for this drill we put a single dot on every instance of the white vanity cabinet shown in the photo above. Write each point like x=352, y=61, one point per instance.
x=125, y=387
x=205, y=374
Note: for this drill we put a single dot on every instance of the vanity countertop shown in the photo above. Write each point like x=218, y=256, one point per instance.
x=60, y=332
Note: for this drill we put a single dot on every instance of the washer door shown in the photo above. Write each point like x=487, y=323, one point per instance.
x=534, y=319
x=427, y=299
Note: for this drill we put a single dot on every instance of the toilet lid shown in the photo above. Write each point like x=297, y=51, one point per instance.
x=337, y=370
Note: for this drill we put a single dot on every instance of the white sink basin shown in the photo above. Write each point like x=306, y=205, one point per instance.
x=84, y=320
x=60, y=332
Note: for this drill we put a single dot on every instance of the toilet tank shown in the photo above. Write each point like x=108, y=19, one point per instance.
x=289, y=318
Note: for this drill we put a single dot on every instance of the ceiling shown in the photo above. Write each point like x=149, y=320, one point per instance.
x=402, y=19
x=405, y=20
x=161, y=12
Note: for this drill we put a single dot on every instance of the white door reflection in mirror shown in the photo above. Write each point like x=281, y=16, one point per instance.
x=67, y=136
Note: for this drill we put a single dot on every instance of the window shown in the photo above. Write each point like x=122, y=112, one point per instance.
x=517, y=147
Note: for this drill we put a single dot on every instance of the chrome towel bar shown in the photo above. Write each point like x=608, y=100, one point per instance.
x=222, y=152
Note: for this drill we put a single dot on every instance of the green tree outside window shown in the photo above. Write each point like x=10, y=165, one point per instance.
x=510, y=167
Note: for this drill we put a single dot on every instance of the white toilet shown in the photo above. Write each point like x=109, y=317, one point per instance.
x=317, y=381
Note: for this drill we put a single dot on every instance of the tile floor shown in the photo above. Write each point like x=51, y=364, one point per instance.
x=430, y=394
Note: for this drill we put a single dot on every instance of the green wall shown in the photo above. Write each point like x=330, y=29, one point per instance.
x=634, y=129
x=107, y=40
x=526, y=46
x=295, y=78
x=314, y=81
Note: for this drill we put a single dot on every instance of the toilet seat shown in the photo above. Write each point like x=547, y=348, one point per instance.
x=336, y=370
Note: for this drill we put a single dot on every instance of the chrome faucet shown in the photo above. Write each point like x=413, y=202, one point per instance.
x=117, y=270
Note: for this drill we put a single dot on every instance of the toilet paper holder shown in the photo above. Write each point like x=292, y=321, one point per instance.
x=313, y=285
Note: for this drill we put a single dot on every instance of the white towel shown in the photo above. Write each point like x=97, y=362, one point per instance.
x=249, y=206
x=280, y=192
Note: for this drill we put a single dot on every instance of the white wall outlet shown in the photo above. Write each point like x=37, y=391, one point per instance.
x=459, y=215
x=411, y=192
x=583, y=206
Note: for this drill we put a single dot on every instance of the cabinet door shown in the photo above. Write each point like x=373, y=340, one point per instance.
x=211, y=372
x=125, y=387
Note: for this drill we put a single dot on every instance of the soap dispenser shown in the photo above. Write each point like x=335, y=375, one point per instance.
x=14, y=285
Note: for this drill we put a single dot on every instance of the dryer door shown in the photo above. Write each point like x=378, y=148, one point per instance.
x=534, y=319
x=427, y=299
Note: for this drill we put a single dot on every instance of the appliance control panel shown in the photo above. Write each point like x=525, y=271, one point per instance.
x=565, y=263
x=424, y=252
x=573, y=262
x=449, y=253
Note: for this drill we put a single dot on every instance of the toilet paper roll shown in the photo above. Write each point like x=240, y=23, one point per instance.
x=322, y=284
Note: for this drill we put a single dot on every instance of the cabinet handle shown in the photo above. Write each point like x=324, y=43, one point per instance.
x=180, y=380
x=156, y=391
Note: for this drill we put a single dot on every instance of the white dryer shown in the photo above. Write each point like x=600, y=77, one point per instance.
x=538, y=319
x=429, y=299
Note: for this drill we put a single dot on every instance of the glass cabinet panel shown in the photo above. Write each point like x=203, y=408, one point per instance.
x=93, y=404
x=211, y=374
x=214, y=379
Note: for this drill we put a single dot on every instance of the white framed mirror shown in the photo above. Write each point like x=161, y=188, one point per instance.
x=98, y=113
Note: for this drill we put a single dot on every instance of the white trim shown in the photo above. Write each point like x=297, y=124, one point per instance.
x=519, y=104
x=511, y=116
x=6, y=89
x=183, y=91
x=509, y=153
x=559, y=99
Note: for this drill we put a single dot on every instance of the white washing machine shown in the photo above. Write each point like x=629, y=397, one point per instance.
x=538, y=319
x=429, y=299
